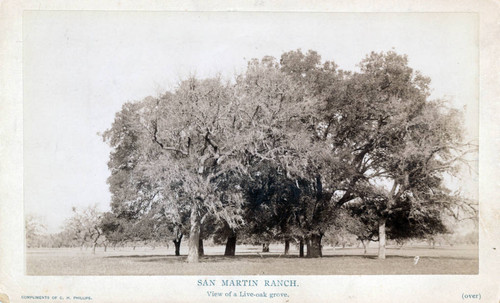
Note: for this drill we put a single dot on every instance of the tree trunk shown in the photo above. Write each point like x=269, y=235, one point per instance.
x=194, y=235
x=381, y=239
x=105, y=247
x=230, y=246
x=265, y=247
x=314, y=247
x=365, y=248
x=177, y=244
x=301, y=248
x=178, y=239
x=308, y=247
x=287, y=247
x=93, y=248
x=201, y=251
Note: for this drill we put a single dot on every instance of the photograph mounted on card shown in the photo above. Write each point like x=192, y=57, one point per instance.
x=250, y=143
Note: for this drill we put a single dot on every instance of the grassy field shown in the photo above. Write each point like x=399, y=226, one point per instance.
x=249, y=261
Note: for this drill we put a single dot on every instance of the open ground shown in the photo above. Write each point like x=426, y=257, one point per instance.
x=250, y=261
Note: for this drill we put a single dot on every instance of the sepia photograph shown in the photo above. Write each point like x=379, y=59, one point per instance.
x=250, y=143
x=249, y=151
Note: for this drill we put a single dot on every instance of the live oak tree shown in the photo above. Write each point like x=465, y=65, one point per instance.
x=378, y=125
x=415, y=144
x=180, y=144
x=374, y=125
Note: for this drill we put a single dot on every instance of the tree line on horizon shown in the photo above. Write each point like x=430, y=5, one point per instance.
x=90, y=228
x=293, y=150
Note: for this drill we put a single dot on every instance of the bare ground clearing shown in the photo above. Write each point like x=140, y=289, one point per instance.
x=249, y=261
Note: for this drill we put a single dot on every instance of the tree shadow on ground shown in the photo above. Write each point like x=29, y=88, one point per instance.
x=268, y=257
x=206, y=258
x=144, y=256
x=375, y=257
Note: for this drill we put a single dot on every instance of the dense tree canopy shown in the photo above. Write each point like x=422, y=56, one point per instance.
x=291, y=150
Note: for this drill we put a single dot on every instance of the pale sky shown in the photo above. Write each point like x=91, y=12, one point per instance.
x=80, y=67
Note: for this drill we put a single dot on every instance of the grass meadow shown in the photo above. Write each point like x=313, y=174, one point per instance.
x=250, y=261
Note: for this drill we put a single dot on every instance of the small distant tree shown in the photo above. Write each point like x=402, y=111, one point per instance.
x=85, y=226
x=34, y=229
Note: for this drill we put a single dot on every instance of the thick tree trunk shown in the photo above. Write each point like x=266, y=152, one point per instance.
x=314, y=247
x=201, y=251
x=301, y=248
x=230, y=246
x=265, y=247
x=194, y=235
x=382, y=238
x=93, y=248
x=177, y=244
x=178, y=239
x=287, y=247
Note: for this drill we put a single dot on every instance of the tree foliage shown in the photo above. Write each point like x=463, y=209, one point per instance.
x=293, y=149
